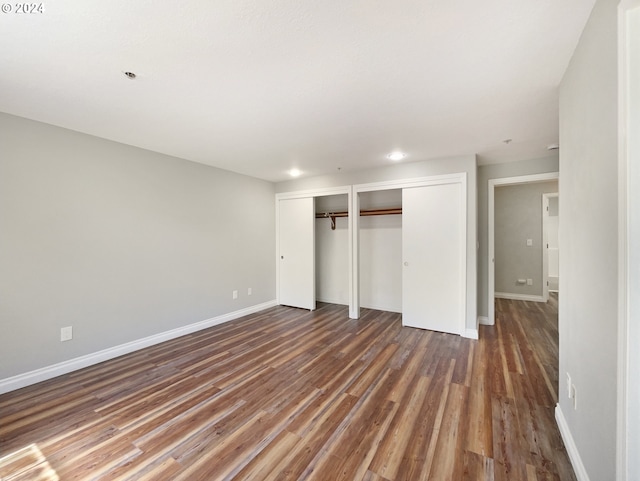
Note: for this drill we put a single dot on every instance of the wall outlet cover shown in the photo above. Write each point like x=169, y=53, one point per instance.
x=66, y=333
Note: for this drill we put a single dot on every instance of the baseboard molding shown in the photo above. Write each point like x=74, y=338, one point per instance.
x=332, y=301
x=397, y=310
x=519, y=297
x=569, y=443
x=470, y=333
x=484, y=321
x=49, y=372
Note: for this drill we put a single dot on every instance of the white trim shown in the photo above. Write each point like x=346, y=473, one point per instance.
x=470, y=334
x=49, y=372
x=354, y=256
x=484, y=321
x=411, y=182
x=383, y=308
x=522, y=179
x=519, y=297
x=299, y=194
x=332, y=301
x=569, y=443
x=626, y=461
x=454, y=178
x=545, y=244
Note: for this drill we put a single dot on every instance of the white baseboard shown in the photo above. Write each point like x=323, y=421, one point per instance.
x=470, y=333
x=519, y=297
x=569, y=443
x=332, y=301
x=397, y=310
x=484, y=321
x=49, y=372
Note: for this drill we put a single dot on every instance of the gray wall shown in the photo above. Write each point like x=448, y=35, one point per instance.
x=119, y=242
x=589, y=241
x=407, y=171
x=518, y=217
x=499, y=171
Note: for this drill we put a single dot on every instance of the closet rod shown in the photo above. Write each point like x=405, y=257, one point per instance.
x=333, y=215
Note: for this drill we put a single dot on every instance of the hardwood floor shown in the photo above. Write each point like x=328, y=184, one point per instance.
x=287, y=394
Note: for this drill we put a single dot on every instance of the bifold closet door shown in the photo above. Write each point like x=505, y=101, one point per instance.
x=433, y=251
x=296, y=222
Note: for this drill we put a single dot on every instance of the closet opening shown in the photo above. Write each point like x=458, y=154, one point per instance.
x=332, y=249
x=380, y=250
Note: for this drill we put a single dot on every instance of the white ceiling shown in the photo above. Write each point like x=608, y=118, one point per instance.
x=259, y=87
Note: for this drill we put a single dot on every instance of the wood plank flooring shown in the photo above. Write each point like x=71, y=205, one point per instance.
x=286, y=394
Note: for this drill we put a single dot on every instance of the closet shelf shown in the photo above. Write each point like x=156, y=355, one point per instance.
x=364, y=212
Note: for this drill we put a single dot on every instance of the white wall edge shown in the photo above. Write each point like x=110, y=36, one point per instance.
x=49, y=372
x=470, y=333
x=485, y=321
x=519, y=297
x=569, y=443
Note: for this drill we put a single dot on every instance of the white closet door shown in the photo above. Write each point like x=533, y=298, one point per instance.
x=296, y=256
x=433, y=250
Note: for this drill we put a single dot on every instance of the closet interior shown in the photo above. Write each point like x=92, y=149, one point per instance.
x=380, y=249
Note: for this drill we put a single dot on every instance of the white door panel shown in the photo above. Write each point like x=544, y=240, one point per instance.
x=296, y=255
x=433, y=249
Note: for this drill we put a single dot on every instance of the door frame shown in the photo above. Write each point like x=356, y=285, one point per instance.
x=628, y=433
x=545, y=246
x=493, y=183
x=315, y=193
x=354, y=310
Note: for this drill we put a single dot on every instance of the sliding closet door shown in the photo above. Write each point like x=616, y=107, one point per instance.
x=433, y=251
x=296, y=220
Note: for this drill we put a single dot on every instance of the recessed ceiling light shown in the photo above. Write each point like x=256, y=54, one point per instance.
x=130, y=75
x=295, y=173
x=397, y=155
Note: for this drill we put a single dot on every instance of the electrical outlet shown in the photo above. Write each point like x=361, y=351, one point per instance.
x=249, y=291
x=66, y=333
x=235, y=294
x=529, y=242
x=529, y=282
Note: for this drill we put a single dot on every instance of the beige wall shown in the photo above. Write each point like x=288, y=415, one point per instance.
x=119, y=242
x=589, y=241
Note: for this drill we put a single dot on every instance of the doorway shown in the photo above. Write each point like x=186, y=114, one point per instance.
x=551, y=247
x=513, y=279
